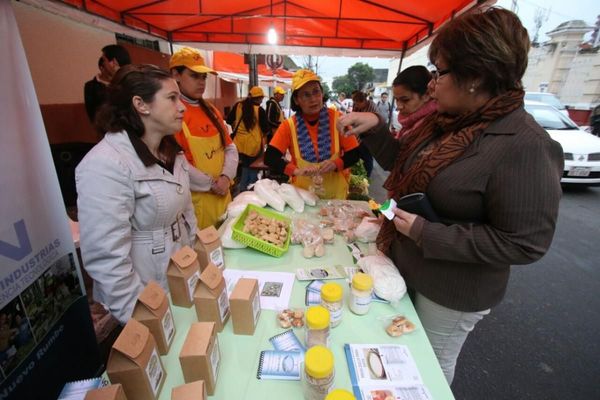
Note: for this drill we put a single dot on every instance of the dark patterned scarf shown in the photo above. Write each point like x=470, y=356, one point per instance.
x=448, y=137
x=323, y=138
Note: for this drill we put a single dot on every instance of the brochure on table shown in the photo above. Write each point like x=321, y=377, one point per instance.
x=382, y=371
x=275, y=288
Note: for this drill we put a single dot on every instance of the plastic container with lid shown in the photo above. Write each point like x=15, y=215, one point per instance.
x=360, y=295
x=340, y=394
x=317, y=326
x=318, y=373
x=331, y=298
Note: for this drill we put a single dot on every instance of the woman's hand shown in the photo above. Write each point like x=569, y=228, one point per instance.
x=403, y=221
x=221, y=185
x=306, y=171
x=327, y=166
x=356, y=123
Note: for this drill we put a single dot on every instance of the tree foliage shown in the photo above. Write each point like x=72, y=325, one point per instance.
x=358, y=77
x=343, y=84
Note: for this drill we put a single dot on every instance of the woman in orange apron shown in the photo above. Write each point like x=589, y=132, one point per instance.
x=204, y=139
x=321, y=156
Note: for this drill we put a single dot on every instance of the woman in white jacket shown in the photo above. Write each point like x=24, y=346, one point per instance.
x=134, y=200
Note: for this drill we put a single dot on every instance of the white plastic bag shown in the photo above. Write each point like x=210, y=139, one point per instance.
x=387, y=281
x=250, y=197
x=367, y=230
x=226, y=240
x=291, y=197
x=309, y=197
x=264, y=189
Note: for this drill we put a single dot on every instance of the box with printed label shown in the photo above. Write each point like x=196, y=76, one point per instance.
x=153, y=310
x=110, y=392
x=209, y=248
x=245, y=306
x=134, y=363
x=183, y=274
x=210, y=297
x=200, y=355
x=190, y=391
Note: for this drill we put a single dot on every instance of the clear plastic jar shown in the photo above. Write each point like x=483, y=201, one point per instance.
x=360, y=295
x=317, y=326
x=331, y=298
x=318, y=373
x=340, y=394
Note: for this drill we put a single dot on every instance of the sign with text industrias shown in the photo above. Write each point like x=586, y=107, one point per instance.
x=46, y=334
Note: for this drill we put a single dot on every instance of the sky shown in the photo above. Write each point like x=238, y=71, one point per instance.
x=558, y=11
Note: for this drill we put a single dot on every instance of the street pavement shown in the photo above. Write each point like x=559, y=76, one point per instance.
x=543, y=340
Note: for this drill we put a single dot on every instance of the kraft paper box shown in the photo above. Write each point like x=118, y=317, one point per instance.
x=210, y=297
x=134, y=363
x=182, y=275
x=200, y=355
x=111, y=392
x=245, y=306
x=153, y=310
x=189, y=391
x=209, y=248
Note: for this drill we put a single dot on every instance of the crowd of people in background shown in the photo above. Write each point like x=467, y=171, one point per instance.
x=168, y=163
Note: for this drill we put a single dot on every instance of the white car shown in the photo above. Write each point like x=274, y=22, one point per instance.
x=581, y=149
x=547, y=98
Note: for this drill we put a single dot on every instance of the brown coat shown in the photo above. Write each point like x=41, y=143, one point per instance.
x=499, y=205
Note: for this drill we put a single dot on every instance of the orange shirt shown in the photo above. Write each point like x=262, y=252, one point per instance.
x=199, y=125
x=282, y=141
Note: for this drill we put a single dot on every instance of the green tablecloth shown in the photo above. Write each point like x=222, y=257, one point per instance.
x=239, y=354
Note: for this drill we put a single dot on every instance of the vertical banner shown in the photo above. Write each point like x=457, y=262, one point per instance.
x=46, y=333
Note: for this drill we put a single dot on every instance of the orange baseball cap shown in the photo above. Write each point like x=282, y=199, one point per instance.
x=190, y=58
x=256, y=91
x=302, y=77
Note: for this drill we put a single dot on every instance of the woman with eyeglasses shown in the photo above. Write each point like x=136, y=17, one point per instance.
x=204, y=138
x=490, y=172
x=413, y=101
x=134, y=202
x=320, y=155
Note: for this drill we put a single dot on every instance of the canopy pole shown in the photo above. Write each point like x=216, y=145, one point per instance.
x=401, y=57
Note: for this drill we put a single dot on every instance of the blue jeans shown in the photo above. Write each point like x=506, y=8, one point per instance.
x=446, y=330
x=249, y=176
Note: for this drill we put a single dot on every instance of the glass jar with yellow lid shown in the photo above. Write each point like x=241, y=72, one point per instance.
x=317, y=326
x=318, y=373
x=340, y=394
x=331, y=298
x=360, y=295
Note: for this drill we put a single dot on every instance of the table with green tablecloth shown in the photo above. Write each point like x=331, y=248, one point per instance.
x=240, y=354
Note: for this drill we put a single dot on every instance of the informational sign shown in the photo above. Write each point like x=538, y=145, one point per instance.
x=46, y=333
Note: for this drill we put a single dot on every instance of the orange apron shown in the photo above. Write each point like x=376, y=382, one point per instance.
x=335, y=183
x=209, y=156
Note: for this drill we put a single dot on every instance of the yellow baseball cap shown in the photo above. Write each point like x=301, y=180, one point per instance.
x=256, y=91
x=278, y=90
x=190, y=58
x=302, y=77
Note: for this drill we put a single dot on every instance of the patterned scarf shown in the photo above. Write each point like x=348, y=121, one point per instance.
x=307, y=149
x=448, y=137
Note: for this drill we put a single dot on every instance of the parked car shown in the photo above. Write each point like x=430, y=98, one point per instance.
x=581, y=149
x=547, y=98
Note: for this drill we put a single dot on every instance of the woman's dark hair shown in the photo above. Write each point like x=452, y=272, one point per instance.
x=489, y=48
x=248, y=116
x=415, y=79
x=119, y=114
x=295, y=107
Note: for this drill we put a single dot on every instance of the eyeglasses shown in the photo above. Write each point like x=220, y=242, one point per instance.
x=308, y=95
x=436, y=74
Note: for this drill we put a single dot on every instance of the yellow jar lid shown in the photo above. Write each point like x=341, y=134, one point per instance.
x=331, y=292
x=362, y=281
x=340, y=394
x=318, y=362
x=317, y=317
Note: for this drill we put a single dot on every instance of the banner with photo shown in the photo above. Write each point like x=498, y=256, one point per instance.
x=46, y=332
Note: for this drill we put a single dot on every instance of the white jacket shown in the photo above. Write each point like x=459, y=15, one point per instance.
x=129, y=216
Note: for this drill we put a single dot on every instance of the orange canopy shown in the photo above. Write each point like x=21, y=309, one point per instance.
x=232, y=62
x=390, y=25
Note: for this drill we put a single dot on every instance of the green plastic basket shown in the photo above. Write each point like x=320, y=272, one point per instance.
x=254, y=242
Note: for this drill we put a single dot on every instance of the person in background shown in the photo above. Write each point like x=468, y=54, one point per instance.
x=490, y=172
x=275, y=114
x=413, y=101
x=134, y=202
x=362, y=104
x=250, y=128
x=204, y=138
x=113, y=57
x=321, y=156
x=340, y=103
x=384, y=108
x=595, y=120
